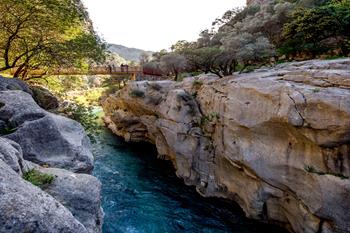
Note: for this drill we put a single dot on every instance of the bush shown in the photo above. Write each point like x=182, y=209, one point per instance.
x=85, y=116
x=312, y=169
x=197, y=83
x=7, y=130
x=38, y=178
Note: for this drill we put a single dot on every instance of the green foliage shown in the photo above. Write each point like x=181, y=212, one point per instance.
x=85, y=116
x=197, y=83
x=7, y=130
x=137, y=94
x=312, y=169
x=211, y=117
x=318, y=30
x=46, y=34
x=38, y=178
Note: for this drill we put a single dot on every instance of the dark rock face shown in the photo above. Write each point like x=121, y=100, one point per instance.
x=44, y=98
x=12, y=84
x=276, y=140
x=11, y=154
x=45, y=138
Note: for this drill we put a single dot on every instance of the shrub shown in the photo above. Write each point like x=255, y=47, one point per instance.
x=137, y=94
x=85, y=116
x=7, y=130
x=38, y=178
x=311, y=169
x=197, y=83
x=211, y=117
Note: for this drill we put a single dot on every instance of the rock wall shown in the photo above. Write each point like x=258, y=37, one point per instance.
x=276, y=141
x=31, y=138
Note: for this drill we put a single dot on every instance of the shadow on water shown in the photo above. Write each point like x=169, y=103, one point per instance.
x=141, y=193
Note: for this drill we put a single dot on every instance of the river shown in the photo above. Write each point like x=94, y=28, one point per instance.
x=141, y=193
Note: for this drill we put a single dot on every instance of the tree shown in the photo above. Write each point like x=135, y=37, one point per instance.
x=211, y=59
x=311, y=29
x=46, y=34
x=144, y=58
x=249, y=48
x=173, y=64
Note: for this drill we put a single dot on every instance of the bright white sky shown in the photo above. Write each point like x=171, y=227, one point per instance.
x=154, y=24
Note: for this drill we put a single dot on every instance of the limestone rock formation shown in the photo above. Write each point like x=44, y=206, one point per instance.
x=26, y=208
x=11, y=84
x=30, y=137
x=277, y=141
x=45, y=138
x=80, y=193
x=44, y=98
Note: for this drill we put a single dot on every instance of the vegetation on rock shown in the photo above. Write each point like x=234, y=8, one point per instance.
x=38, y=178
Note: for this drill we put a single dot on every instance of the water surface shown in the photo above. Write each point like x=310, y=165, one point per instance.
x=142, y=194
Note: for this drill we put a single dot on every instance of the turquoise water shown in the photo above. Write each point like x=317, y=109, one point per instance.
x=141, y=194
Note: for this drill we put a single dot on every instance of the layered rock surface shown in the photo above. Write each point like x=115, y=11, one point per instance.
x=31, y=137
x=276, y=141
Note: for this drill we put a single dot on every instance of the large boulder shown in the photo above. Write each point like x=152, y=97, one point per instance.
x=45, y=138
x=11, y=154
x=80, y=193
x=11, y=84
x=44, y=98
x=26, y=208
x=277, y=141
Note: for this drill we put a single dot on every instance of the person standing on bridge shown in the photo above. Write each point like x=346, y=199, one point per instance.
x=127, y=68
x=122, y=67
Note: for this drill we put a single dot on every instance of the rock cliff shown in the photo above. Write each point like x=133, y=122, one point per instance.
x=276, y=141
x=31, y=138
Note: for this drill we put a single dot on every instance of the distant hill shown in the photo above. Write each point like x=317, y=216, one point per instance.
x=129, y=54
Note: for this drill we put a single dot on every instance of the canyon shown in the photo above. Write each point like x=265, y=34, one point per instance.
x=276, y=140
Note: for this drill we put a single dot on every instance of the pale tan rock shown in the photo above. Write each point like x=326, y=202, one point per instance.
x=277, y=141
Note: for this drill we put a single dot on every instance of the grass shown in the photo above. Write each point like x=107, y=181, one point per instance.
x=197, y=83
x=38, y=178
x=311, y=169
x=137, y=94
x=7, y=130
x=213, y=116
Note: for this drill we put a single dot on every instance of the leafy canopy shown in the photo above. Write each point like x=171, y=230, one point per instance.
x=46, y=34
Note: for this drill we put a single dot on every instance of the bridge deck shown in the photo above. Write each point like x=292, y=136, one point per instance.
x=133, y=71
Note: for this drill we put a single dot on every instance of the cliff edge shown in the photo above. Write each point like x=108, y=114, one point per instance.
x=276, y=141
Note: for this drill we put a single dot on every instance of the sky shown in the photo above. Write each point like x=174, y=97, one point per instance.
x=154, y=24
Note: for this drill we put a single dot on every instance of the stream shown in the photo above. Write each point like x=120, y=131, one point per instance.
x=141, y=193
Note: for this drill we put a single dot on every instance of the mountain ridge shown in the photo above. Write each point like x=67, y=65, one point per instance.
x=129, y=54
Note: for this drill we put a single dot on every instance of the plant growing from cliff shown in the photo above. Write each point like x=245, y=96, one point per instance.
x=7, y=130
x=38, y=178
x=312, y=169
x=137, y=94
x=197, y=83
x=210, y=117
x=85, y=116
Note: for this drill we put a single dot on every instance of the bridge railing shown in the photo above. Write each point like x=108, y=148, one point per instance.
x=96, y=70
